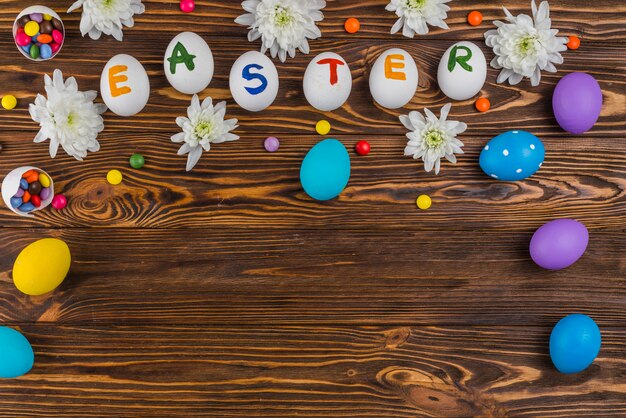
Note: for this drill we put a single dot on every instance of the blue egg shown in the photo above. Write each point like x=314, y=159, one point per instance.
x=574, y=343
x=513, y=155
x=325, y=170
x=16, y=354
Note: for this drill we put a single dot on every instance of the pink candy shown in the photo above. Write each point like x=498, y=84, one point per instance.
x=187, y=6
x=57, y=36
x=59, y=201
x=55, y=47
x=22, y=39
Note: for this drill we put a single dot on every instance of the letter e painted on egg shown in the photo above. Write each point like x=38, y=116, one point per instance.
x=333, y=63
x=247, y=75
x=116, y=77
x=391, y=63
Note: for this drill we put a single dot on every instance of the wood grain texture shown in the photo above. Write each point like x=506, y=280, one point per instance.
x=311, y=371
x=211, y=276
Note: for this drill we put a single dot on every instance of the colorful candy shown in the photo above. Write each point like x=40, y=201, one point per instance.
x=136, y=161
x=475, y=18
x=482, y=104
x=38, y=37
x=424, y=202
x=187, y=6
x=37, y=17
x=31, y=193
x=322, y=127
x=44, y=180
x=31, y=28
x=44, y=194
x=59, y=201
x=114, y=177
x=352, y=25
x=271, y=144
x=573, y=42
x=9, y=102
x=362, y=148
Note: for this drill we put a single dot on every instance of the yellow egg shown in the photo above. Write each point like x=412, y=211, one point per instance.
x=41, y=266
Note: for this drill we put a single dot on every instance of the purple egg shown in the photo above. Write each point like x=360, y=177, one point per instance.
x=559, y=243
x=577, y=102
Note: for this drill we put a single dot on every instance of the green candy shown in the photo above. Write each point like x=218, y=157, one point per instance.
x=137, y=161
x=34, y=51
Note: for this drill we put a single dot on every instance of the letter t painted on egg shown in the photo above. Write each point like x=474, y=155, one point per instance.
x=333, y=63
x=116, y=77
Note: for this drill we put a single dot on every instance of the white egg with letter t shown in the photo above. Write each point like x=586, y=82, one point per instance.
x=253, y=81
x=327, y=82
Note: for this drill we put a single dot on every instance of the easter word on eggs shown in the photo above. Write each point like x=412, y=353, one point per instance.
x=327, y=81
x=462, y=71
x=253, y=81
x=16, y=354
x=124, y=85
x=559, y=243
x=188, y=63
x=325, y=170
x=512, y=156
x=42, y=266
x=574, y=343
x=577, y=102
x=393, y=78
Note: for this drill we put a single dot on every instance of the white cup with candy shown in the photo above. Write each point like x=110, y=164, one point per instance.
x=27, y=189
x=39, y=33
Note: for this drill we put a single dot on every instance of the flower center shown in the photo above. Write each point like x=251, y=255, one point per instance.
x=282, y=16
x=415, y=4
x=108, y=3
x=434, y=138
x=70, y=119
x=203, y=128
x=526, y=44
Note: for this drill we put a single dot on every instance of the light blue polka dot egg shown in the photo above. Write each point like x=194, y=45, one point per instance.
x=16, y=354
x=512, y=156
x=325, y=170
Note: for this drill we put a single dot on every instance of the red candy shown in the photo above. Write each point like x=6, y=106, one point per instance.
x=22, y=39
x=35, y=200
x=57, y=36
x=362, y=148
x=187, y=6
x=55, y=47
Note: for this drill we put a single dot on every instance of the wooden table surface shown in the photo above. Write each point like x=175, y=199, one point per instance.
x=227, y=291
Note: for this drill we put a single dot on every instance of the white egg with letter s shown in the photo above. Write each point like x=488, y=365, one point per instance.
x=253, y=81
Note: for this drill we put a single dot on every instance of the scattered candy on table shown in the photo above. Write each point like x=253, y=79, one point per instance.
x=352, y=25
x=271, y=144
x=475, y=18
x=42, y=266
x=114, y=177
x=482, y=104
x=187, y=6
x=37, y=37
x=9, y=101
x=574, y=343
x=136, y=161
x=573, y=42
x=423, y=202
x=322, y=127
x=362, y=148
x=59, y=201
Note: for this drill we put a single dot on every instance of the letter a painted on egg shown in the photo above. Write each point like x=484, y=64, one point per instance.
x=390, y=65
x=246, y=74
x=116, y=77
x=333, y=63
x=461, y=60
x=181, y=56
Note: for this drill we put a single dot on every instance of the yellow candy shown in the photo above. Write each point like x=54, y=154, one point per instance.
x=47, y=17
x=9, y=102
x=44, y=180
x=31, y=28
x=322, y=127
x=114, y=177
x=42, y=266
x=424, y=202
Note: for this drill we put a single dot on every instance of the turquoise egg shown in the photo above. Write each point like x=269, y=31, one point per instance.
x=574, y=343
x=16, y=354
x=325, y=170
x=513, y=155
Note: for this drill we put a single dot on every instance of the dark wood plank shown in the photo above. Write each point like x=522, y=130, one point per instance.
x=591, y=21
x=513, y=107
x=212, y=276
x=310, y=371
x=240, y=184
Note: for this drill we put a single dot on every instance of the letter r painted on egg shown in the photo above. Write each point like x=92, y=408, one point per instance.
x=333, y=63
x=247, y=75
x=116, y=77
x=461, y=60
x=391, y=64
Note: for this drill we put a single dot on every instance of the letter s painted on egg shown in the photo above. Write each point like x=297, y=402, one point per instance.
x=246, y=74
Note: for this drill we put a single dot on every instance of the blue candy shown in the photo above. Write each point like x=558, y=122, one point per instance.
x=45, y=51
x=34, y=38
x=27, y=207
x=16, y=202
x=26, y=48
x=23, y=184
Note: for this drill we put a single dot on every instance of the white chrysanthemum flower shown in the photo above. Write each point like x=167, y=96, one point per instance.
x=203, y=126
x=282, y=25
x=414, y=15
x=431, y=139
x=68, y=117
x=107, y=16
x=525, y=46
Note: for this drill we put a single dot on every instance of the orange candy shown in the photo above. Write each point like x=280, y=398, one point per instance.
x=352, y=25
x=574, y=42
x=32, y=177
x=482, y=104
x=28, y=173
x=44, y=38
x=26, y=197
x=475, y=18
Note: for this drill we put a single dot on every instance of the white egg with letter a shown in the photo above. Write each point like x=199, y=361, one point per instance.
x=188, y=63
x=253, y=81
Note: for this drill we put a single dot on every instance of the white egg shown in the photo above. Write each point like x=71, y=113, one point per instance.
x=188, y=63
x=327, y=81
x=253, y=81
x=124, y=85
x=462, y=71
x=393, y=78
